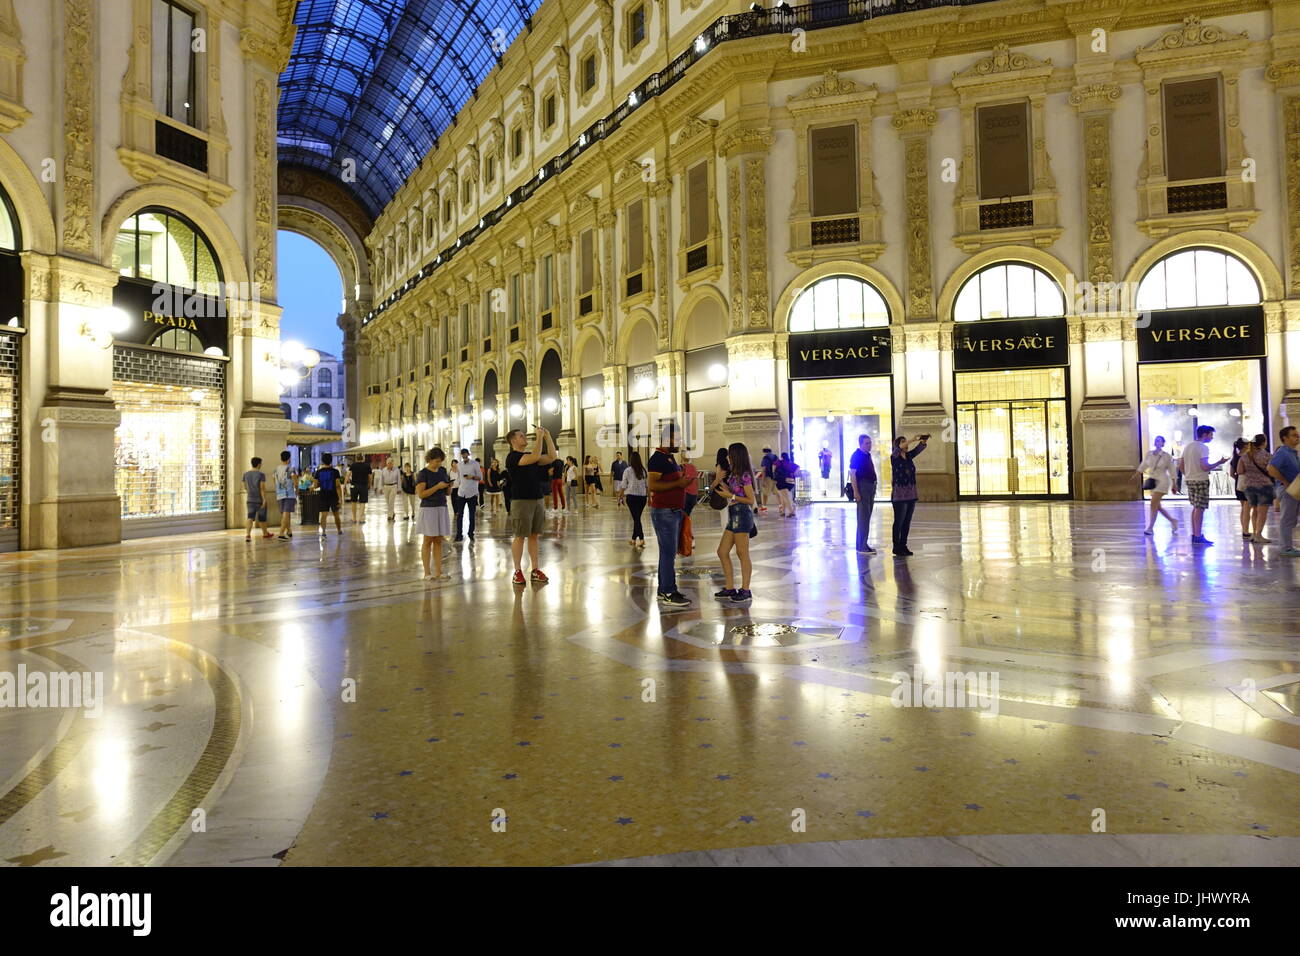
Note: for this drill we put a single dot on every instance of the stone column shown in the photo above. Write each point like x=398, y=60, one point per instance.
x=616, y=405
x=532, y=407
x=570, y=412
x=1106, y=441
x=754, y=384
x=500, y=447
x=1284, y=72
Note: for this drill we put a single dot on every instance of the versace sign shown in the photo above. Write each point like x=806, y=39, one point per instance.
x=1010, y=343
x=1183, y=335
x=841, y=354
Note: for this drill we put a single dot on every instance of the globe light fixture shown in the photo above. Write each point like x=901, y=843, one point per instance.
x=291, y=352
x=594, y=396
x=516, y=411
x=489, y=415
x=717, y=372
x=550, y=404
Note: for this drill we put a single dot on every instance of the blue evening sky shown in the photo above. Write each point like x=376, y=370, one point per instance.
x=311, y=294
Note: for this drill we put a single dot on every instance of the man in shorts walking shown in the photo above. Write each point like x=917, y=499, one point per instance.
x=328, y=482
x=528, y=487
x=286, y=493
x=255, y=485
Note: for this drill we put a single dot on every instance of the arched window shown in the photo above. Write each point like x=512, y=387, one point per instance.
x=326, y=414
x=324, y=383
x=10, y=234
x=163, y=246
x=303, y=411
x=1008, y=290
x=838, y=302
x=182, y=340
x=1192, y=278
x=288, y=412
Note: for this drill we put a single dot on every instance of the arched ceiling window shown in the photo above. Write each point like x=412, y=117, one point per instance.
x=1008, y=290
x=838, y=302
x=377, y=82
x=162, y=246
x=1193, y=278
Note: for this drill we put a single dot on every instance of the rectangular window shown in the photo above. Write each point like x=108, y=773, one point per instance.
x=516, y=142
x=589, y=73
x=515, y=286
x=833, y=161
x=174, y=66
x=448, y=211
x=1193, y=129
x=464, y=324
x=489, y=169
x=1003, y=139
x=697, y=203
x=430, y=221
x=446, y=336
x=586, y=250
x=467, y=193
x=548, y=111
x=636, y=26
x=545, y=280
x=635, y=225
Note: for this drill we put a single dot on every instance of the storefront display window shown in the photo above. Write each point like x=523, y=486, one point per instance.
x=1012, y=434
x=829, y=415
x=170, y=444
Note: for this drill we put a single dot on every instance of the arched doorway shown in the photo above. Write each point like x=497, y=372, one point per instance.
x=642, y=389
x=1011, y=357
x=12, y=308
x=169, y=376
x=518, y=410
x=591, y=398
x=491, y=422
x=707, y=392
x=552, y=415
x=1201, y=354
x=841, y=383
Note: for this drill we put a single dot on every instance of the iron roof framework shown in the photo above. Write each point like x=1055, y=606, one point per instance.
x=378, y=81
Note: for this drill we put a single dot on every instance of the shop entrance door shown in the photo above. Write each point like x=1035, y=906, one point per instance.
x=1012, y=448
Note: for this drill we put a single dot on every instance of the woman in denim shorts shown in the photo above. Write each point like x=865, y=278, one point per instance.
x=737, y=486
x=1252, y=466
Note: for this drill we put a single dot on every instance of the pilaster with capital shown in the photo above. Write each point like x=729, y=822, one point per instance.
x=914, y=127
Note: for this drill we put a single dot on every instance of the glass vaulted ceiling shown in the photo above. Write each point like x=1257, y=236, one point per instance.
x=377, y=81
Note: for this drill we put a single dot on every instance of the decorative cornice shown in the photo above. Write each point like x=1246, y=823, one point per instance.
x=1283, y=73
x=1002, y=60
x=745, y=140
x=694, y=127
x=915, y=120
x=1090, y=97
x=1191, y=33
x=829, y=85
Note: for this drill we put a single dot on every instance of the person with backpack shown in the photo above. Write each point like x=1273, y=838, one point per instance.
x=286, y=495
x=784, y=471
x=327, y=481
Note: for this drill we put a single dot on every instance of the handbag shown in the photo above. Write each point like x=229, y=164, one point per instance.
x=1149, y=484
x=685, y=539
x=848, y=490
x=1293, y=489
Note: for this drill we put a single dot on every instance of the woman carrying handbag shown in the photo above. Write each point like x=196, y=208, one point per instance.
x=1158, y=466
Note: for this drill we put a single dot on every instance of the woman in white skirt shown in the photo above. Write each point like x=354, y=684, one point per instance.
x=434, y=522
x=1160, y=472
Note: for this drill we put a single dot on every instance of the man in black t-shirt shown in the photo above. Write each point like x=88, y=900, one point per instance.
x=360, y=476
x=527, y=473
x=616, y=474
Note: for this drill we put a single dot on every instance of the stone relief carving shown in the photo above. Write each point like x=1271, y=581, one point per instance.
x=733, y=248
x=829, y=85
x=1191, y=33
x=78, y=127
x=920, y=290
x=756, y=254
x=1002, y=60
x=263, y=185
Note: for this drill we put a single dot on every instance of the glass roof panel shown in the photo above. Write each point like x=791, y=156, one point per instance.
x=380, y=80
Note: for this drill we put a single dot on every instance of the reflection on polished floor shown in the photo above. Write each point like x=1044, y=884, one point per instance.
x=1140, y=703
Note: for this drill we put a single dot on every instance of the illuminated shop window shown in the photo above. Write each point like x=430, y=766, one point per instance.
x=1009, y=290
x=1197, y=277
x=838, y=302
x=161, y=246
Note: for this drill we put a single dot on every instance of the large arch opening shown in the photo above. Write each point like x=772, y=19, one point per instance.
x=1202, y=350
x=552, y=415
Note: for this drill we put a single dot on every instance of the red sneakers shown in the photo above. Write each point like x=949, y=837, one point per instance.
x=518, y=579
x=539, y=578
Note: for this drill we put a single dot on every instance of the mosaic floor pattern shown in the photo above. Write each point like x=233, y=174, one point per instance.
x=315, y=702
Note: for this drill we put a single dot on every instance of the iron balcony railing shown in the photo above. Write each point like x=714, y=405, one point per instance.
x=756, y=22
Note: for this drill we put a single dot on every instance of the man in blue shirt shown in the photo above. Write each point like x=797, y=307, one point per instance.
x=1284, y=467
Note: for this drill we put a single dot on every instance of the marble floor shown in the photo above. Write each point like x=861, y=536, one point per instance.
x=314, y=702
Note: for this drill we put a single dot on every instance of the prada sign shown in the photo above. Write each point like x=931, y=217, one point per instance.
x=155, y=307
x=1181, y=335
x=841, y=354
x=1010, y=343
